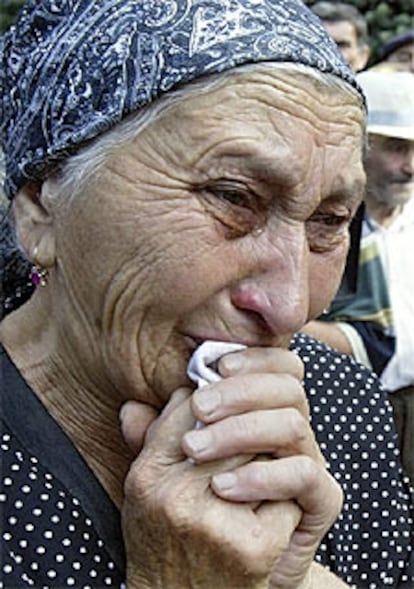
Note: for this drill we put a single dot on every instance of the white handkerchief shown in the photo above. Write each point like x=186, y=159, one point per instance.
x=201, y=367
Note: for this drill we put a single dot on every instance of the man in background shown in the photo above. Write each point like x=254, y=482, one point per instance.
x=399, y=51
x=364, y=325
x=349, y=30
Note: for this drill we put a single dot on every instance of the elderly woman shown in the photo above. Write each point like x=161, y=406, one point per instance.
x=182, y=172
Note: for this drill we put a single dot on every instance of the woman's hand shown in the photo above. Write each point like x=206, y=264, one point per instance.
x=228, y=517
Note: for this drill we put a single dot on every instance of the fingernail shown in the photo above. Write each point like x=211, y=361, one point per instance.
x=197, y=441
x=207, y=400
x=225, y=481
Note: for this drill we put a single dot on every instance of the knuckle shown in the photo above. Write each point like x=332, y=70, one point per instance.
x=337, y=498
x=293, y=385
x=310, y=472
x=320, y=483
x=247, y=428
x=297, y=393
x=288, y=360
x=179, y=509
x=172, y=503
x=298, y=368
x=245, y=390
x=260, y=477
x=137, y=482
x=299, y=428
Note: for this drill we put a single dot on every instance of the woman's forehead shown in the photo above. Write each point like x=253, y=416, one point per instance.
x=265, y=103
x=271, y=87
x=243, y=132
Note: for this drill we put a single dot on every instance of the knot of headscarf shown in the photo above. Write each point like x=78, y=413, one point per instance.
x=71, y=69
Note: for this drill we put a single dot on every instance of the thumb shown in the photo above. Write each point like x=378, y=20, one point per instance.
x=135, y=419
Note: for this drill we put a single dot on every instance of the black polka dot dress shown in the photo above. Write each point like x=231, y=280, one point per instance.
x=370, y=545
x=58, y=526
x=60, y=529
x=48, y=539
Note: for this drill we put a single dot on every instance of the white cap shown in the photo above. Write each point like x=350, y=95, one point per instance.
x=390, y=101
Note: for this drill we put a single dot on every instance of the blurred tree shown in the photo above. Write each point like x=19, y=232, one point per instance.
x=8, y=12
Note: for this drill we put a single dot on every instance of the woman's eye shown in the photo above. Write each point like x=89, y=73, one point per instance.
x=233, y=197
x=332, y=220
x=238, y=198
x=327, y=230
x=235, y=206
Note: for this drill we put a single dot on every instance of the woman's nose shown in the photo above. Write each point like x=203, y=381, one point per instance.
x=278, y=290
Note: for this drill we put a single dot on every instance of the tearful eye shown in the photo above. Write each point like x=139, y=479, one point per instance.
x=332, y=220
x=231, y=196
x=327, y=230
x=232, y=203
x=239, y=196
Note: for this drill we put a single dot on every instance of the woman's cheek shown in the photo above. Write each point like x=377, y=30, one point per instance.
x=325, y=276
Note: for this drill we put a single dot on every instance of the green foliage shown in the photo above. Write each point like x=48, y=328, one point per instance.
x=384, y=19
x=8, y=12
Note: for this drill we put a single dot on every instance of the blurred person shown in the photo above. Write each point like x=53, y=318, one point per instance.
x=399, y=51
x=348, y=28
x=184, y=172
x=376, y=325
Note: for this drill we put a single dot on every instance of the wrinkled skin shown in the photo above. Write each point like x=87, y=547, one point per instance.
x=180, y=259
x=225, y=219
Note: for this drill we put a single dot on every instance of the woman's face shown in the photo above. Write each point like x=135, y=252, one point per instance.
x=226, y=219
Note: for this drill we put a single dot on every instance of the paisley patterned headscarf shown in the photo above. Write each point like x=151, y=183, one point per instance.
x=71, y=69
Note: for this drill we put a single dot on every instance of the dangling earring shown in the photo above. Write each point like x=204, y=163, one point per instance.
x=38, y=275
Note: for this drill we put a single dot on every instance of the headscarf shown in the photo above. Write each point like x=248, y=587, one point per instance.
x=71, y=69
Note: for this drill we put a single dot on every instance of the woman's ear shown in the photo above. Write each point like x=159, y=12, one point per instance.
x=34, y=226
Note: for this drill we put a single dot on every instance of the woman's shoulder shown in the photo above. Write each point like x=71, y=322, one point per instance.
x=329, y=367
x=346, y=400
x=353, y=424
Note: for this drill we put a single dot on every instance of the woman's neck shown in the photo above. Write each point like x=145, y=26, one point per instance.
x=87, y=415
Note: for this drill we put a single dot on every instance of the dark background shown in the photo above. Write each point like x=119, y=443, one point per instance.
x=385, y=19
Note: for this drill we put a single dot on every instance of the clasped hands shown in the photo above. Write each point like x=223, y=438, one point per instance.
x=202, y=508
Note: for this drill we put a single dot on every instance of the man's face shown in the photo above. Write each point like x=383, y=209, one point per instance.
x=390, y=171
x=344, y=34
x=403, y=58
x=226, y=219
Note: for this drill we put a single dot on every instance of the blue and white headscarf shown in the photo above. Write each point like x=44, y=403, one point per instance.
x=71, y=69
